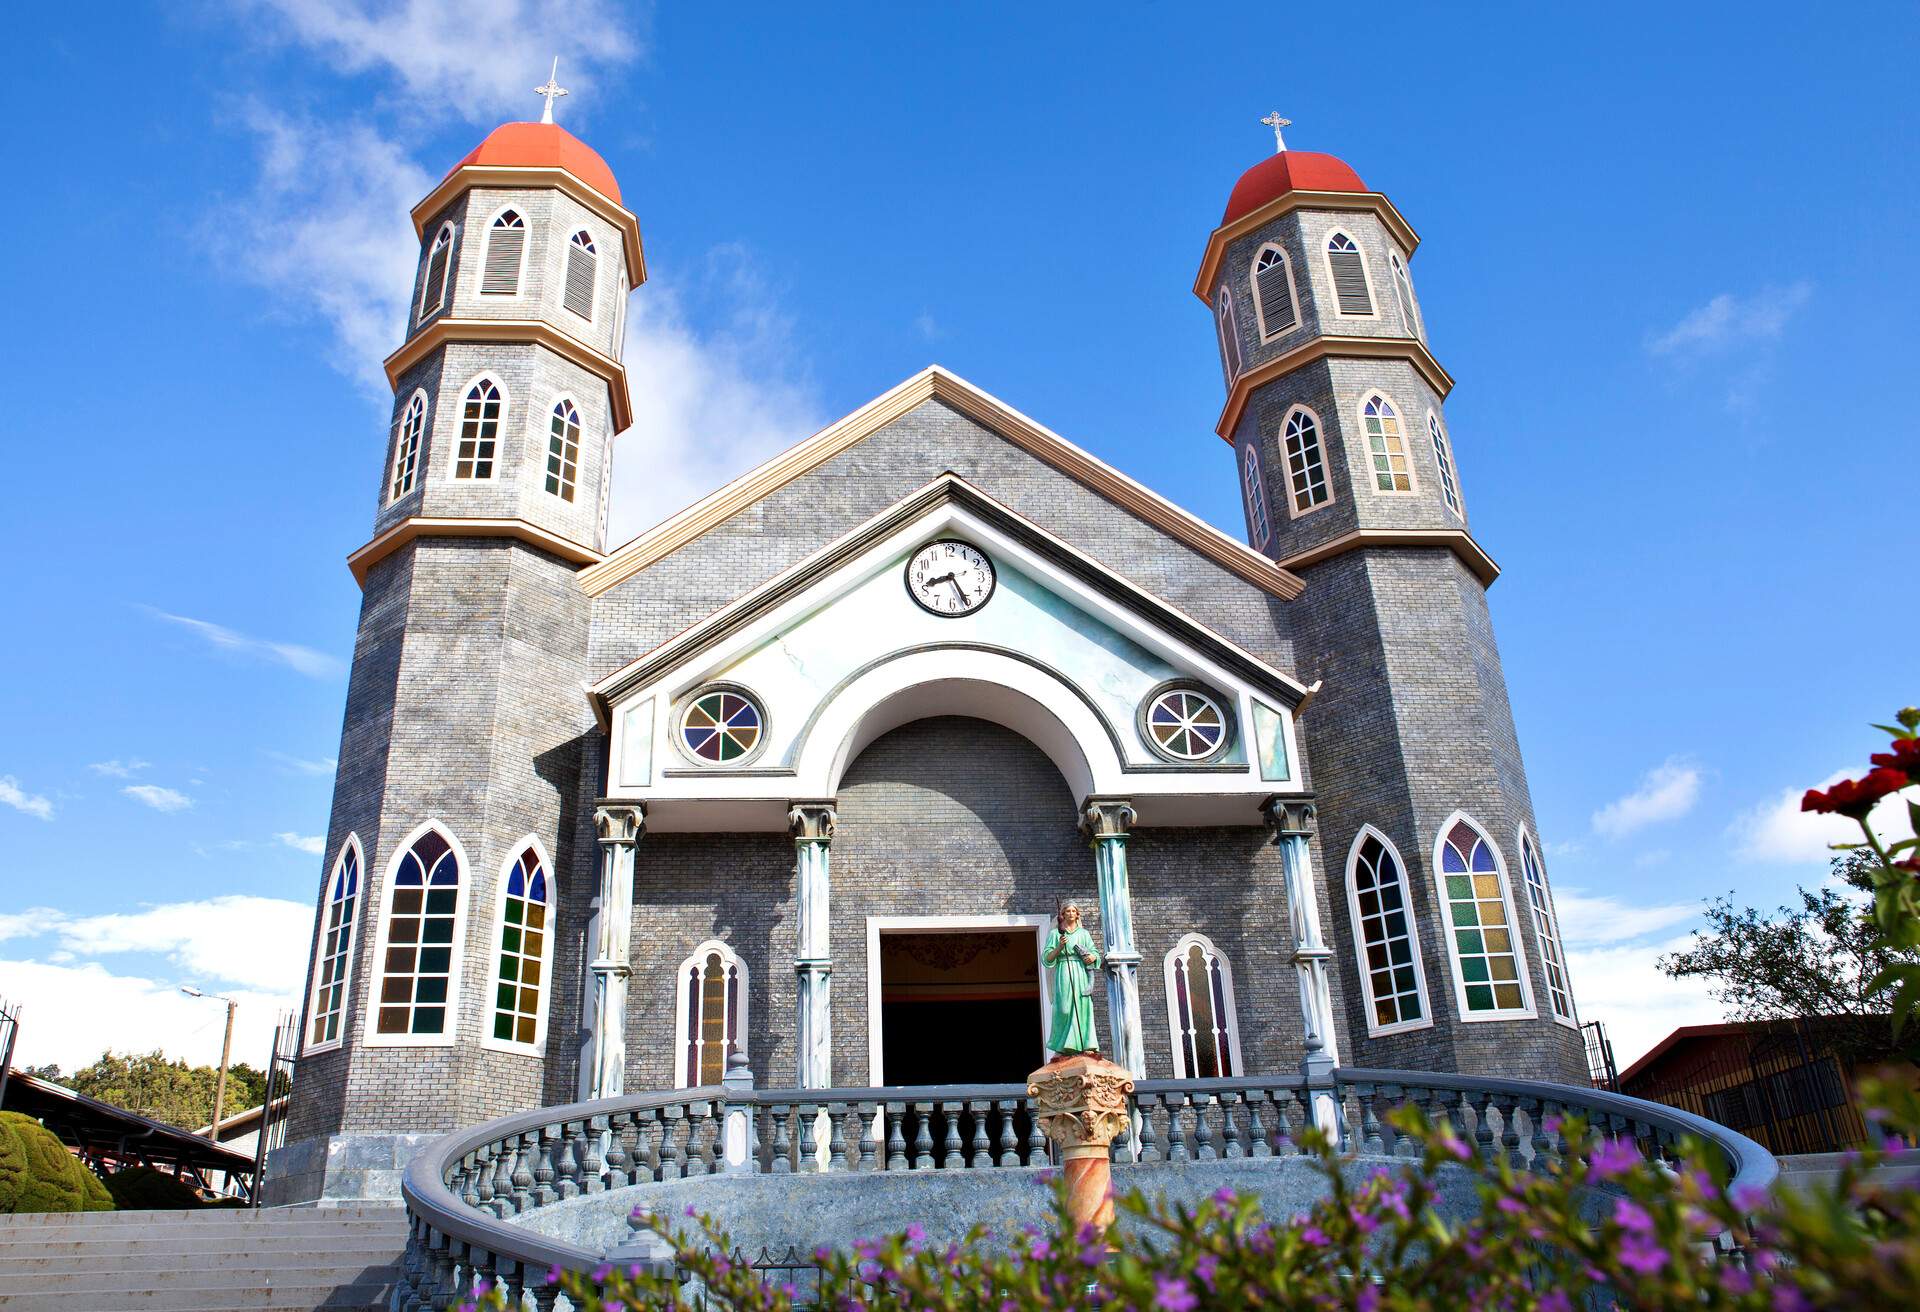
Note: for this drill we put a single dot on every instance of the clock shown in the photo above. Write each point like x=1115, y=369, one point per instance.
x=950, y=577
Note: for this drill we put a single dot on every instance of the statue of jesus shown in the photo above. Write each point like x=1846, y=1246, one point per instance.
x=1071, y=956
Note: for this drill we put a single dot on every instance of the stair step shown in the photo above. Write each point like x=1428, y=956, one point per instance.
x=215, y=1216
x=181, y=1298
x=207, y=1239
x=113, y=1262
x=264, y=1276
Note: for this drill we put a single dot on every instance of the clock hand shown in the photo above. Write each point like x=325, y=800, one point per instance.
x=954, y=583
x=929, y=584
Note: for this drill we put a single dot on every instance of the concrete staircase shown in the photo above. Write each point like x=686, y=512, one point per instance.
x=293, y=1259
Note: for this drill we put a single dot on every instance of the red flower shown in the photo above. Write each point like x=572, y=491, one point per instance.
x=1855, y=797
x=1904, y=756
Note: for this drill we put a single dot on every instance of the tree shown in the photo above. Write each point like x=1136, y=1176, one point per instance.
x=1817, y=959
x=166, y=1090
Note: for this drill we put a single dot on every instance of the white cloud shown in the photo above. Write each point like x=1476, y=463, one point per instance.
x=1666, y=792
x=13, y=795
x=117, y=769
x=326, y=765
x=253, y=942
x=160, y=799
x=1779, y=831
x=1623, y=987
x=302, y=660
x=30, y=923
x=1593, y=920
x=1729, y=321
x=311, y=844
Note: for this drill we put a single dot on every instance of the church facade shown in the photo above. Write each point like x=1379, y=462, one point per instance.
x=797, y=780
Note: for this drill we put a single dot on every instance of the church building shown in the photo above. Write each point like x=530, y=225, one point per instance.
x=795, y=782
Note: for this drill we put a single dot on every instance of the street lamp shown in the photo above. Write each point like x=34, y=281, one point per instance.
x=226, y=1051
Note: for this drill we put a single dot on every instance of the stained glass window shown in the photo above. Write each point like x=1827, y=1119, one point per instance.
x=713, y=1003
x=1443, y=456
x=1201, y=1011
x=1546, y=928
x=1390, y=956
x=1256, y=489
x=721, y=726
x=1386, y=444
x=1480, y=918
x=418, y=968
x=1306, y=467
x=563, y=451
x=1186, y=724
x=335, y=958
x=479, y=431
x=523, y=951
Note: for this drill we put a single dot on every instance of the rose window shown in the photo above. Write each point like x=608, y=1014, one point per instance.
x=722, y=726
x=1186, y=724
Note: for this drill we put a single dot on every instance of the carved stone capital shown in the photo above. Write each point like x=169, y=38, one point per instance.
x=1107, y=817
x=622, y=823
x=811, y=822
x=1081, y=1101
x=1289, y=817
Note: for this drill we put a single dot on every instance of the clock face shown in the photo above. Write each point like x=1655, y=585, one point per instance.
x=950, y=577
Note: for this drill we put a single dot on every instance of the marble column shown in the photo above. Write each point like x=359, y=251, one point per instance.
x=1291, y=819
x=619, y=829
x=1106, y=821
x=812, y=825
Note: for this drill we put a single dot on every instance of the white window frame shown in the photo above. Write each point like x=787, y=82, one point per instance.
x=1333, y=283
x=546, y=445
x=462, y=913
x=1176, y=1040
x=449, y=233
x=1259, y=305
x=1326, y=463
x=1253, y=482
x=308, y=1048
x=520, y=274
x=538, y=1048
x=566, y=262
x=1527, y=1011
x=1228, y=327
x=1403, y=292
x=500, y=444
x=1374, y=1028
x=1449, y=468
x=1366, y=445
x=698, y=958
x=399, y=437
x=1548, y=933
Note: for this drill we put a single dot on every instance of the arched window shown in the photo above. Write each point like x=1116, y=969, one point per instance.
x=712, y=1015
x=479, y=430
x=520, y=982
x=506, y=247
x=1229, y=335
x=1489, y=969
x=1273, y=292
x=420, y=943
x=1258, y=528
x=1306, y=466
x=1443, y=456
x=1546, y=929
x=406, y=445
x=1200, y=1012
x=1349, y=270
x=563, y=450
x=1382, y=906
x=582, y=258
x=433, y=289
x=1403, y=292
x=333, y=955
x=1386, y=445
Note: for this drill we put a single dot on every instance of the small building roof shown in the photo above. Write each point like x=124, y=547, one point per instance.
x=99, y=1127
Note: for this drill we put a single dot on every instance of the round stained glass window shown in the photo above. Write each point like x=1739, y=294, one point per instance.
x=721, y=726
x=1186, y=724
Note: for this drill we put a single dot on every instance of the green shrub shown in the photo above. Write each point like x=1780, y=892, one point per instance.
x=13, y=1168
x=144, y=1189
x=52, y=1179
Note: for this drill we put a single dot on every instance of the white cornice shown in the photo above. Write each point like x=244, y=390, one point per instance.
x=435, y=526
x=536, y=331
x=1411, y=349
x=1455, y=540
x=1371, y=202
x=478, y=175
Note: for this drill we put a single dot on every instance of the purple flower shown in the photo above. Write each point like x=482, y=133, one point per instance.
x=1363, y=1221
x=1512, y=1206
x=1008, y=1305
x=1640, y=1254
x=1171, y=1294
x=1632, y=1217
x=1450, y=1144
x=1315, y=1236
x=690, y=1211
x=1260, y=1239
x=1787, y=1298
x=482, y=1287
x=1041, y=1250
x=1367, y=1300
x=469, y=1306
x=1207, y=1268
x=1613, y=1157
x=786, y=1290
x=916, y=1233
x=553, y=1274
x=822, y=1254
x=1749, y=1197
x=1551, y=1125
x=1224, y=1196
x=1555, y=1300
x=601, y=1272
x=1735, y=1281
x=635, y=1271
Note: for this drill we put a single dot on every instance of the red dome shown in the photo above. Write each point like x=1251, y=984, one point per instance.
x=1290, y=170
x=544, y=146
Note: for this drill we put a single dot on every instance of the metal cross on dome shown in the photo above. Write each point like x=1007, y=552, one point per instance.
x=550, y=90
x=1273, y=121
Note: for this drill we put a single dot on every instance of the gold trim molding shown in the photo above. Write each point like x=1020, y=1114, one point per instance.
x=477, y=175
x=1371, y=202
x=433, y=526
x=535, y=331
x=1410, y=349
x=1456, y=541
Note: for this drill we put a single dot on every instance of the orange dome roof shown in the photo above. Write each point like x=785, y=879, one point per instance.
x=544, y=146
x=1289, y=170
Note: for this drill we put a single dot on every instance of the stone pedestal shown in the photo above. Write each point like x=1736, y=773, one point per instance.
x=1081, y=1104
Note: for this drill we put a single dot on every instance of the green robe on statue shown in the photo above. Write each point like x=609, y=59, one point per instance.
x=1072, y=958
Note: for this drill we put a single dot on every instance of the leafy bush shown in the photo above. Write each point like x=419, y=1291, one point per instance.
x=50, y=1179
x=144, y=1189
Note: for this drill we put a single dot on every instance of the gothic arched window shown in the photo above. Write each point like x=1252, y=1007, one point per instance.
x=419, y=943
x=563, y=450
x=712, y=1014
x=1306, y=465
x=1546, y=929
x=1489, y=968
x=1229, y=335
x=1258, y=527
x=1200, y=1011
x=506, y=246
x=1443, y=456
x=1403, y=291
x=1382, y=907
x=406, y=445
x=520, y=980
x=479, y=430
x=1348, y=268
x=582, y=259
x=1273, y=292
x=1386, y=445
x=333, y=954
x=433, y=288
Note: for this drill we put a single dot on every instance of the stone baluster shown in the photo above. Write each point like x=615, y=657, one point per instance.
x=1391, y=1096
x=1291, y=819
x=982, y=1158
x=568, y=1166
x=650, y=1140
x=593, y=1167
x=1484, y=1140
x=869, y=1135
x=808, y=1116
x=782, y=1142
x=837, y=1138
x=812, y=827
x=1009, y=1139
x=503, y=1159
x=896, y=1136
x=923, y=1136
x=1106, y=823
x=1230, y=1126
x=674, y=1167
x=619, y=829
x=951, y=1158
x=1202, y=1132
x=524, y=1154
x=700, y=1134
x=1510, y=1133
x=1257, y=1142
x=1371, y=1140
x=619, y=1149
x=1177, y=1130
x=1037, y=1154
x=1283, y=1144
x=546, y=1296
x=543, y=1165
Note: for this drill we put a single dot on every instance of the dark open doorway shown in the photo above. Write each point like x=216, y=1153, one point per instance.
x=959, y=1008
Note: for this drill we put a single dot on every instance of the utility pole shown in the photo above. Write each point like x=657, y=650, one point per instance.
x=226, y=1052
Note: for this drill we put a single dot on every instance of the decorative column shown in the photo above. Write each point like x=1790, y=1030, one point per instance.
x=812, y=825
x=1106, y=821
x=619, y=829
x=1081, y=1105
x=1291, y=819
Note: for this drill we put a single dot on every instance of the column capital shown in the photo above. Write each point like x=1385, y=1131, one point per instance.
x=811, y=821
x=1289, y=816
x=620, y=823
x=1107, y=817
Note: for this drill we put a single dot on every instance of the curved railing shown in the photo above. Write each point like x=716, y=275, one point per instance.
x=463, y=1192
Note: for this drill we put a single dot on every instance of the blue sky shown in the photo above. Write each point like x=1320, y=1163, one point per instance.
x=1665, y=254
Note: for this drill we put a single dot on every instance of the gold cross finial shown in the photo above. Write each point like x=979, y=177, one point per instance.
x=1275, y=122
x=550, y=90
